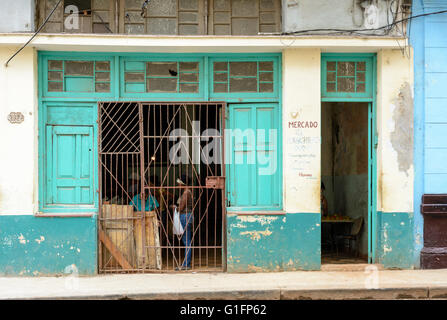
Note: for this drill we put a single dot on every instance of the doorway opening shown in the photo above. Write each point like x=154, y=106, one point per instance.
x=154, y=157
x=345, y=182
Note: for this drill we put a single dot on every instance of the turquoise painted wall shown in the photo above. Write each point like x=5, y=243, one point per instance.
x=32, y=246
x=273, y=242
x=395, y=239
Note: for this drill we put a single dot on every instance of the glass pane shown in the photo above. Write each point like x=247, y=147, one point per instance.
x=244, y=26
x=330, y=76
x=55, y=86
x=189, y=87
x=222, y=17
x=188, y=29
x=162, y=85
x=244, y=8
x=102, y=76
x=361, y=66
x=361, y=76
x=331, y=65
x=161, y=69
x=221, y=29
x=266, y=76
x=345, y=68
x=102, y=65
x=360, y=87
x=189, y=4
x=346, y=84
x=220, y=87
x=221, y=4
x=266, y=87
x=243, y=85
x=134, y=77
x=55, y=75
x=221, y=77
x=243, y=69
x=161, y=26
x=220, y=66
x=189, y=77
x=267, y=5
x=102, y=87
x=330, y=87
x=266, y=65
x=189, y=66
x=79, y=68
x=55, y=64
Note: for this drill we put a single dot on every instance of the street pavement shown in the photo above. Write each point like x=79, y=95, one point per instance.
x=368, y=283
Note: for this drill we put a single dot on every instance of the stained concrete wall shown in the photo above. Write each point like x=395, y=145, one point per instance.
x=31, y=245
x=395, y=169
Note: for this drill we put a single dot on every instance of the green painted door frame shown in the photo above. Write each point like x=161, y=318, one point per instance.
x=369, y=96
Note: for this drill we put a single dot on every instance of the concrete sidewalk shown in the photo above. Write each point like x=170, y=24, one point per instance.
x=370, y=284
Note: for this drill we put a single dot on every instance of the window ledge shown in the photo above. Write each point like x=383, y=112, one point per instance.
x=259, y=212
x=64, y=214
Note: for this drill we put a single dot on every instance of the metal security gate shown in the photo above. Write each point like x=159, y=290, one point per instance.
x=152, y=157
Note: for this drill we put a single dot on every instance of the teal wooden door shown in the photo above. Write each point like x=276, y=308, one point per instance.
x=70, y=165
x=254, y=169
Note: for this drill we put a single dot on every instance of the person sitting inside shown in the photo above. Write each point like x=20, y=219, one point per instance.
x=150, y=202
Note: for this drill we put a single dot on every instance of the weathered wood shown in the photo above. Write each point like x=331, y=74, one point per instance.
x=119, y=228
x=113, y=250
x=151, y=257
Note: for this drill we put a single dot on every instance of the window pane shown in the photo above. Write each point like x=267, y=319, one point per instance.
x=161, y=68
x=221, y=76
x=162, y=85
x=346, y=84
x=102, y=65
x=360, y=87
x=220, y=66
x=220, y=87
x=266, y=65
x=55, y=64
x=243, y=69
x=102, y=87
x=189, y=87
x=266, y=87
x=55, y=75
x=134, y=77
x=331, y=65
x=189, y=66
x=78, y=68
x=102, y=76
x=345, y=68
x=243, y=85
x=55, y=86
x=189, y=77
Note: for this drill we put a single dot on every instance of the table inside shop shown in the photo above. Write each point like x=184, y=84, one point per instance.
x=337, y=222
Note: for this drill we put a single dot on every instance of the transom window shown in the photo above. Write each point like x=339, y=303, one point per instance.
x=346, y=77
x=243, y=76
x=161, y=76
x=78, y=76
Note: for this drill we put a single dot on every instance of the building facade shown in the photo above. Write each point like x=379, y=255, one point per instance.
x=430, y=125
x=91, y=102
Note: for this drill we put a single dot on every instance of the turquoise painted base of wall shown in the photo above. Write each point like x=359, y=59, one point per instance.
x=395, y=240
x=273, y=243
x=36, y=246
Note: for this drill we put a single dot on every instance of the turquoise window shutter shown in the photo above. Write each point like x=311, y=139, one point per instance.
x=70, y=165
x=255, y=168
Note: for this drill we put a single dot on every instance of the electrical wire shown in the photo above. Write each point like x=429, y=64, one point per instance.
x=35, y=34
x=360, y=31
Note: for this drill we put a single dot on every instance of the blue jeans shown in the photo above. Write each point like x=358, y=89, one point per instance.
x=186, y=220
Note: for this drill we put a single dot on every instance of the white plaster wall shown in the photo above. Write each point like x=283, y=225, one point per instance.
x=395, y=186
x=18, y=142
x=301, y=146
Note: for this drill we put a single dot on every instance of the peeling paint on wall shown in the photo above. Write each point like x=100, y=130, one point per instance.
x=256, y=235
x=402, y=136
